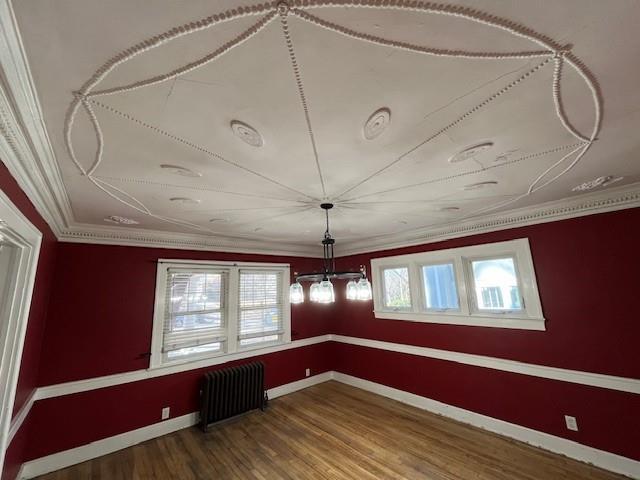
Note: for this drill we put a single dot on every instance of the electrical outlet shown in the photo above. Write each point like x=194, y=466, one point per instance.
x=166, y=412
x=307, y=372
x=572, y=423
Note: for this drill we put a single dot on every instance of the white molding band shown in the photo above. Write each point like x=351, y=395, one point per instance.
x=68, y=388
x=610, y=382
x=21, y=416
x=609, y=200
x=59, y=460
x=594, y=456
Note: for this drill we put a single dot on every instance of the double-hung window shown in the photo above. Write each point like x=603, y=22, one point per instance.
x=491, y=285
x=206, y=309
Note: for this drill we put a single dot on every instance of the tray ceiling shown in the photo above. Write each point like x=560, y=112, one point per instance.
x=236, y=120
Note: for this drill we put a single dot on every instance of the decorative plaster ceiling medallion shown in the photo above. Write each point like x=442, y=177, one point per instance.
x=185, y=200
x=120, y=220
x=478, y=185
x=246, y=133
x=182, y=171
x=377, y=123
x=598, y=182
x=469, y=152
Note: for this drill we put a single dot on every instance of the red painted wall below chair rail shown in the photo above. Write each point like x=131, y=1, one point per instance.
x=28, y=379
x=587, y=272
x=74, y=420
x=101, y=310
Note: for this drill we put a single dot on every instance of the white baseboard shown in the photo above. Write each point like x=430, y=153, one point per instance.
x=59, y=460
x=64, y=459
x=599, y=458
x=299, y=385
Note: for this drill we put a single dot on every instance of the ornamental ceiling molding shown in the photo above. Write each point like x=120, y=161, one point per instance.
x=610, y=200
x=548, y=51
x=38, y=173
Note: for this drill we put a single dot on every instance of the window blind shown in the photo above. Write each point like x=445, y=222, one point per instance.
x=195, y=313
x=260, y=307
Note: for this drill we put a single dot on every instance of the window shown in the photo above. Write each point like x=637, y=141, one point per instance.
x=396, y=288
x=491, y=285
x=496, y=284
x=205, y=309
x=441, y=292
x=260, y=307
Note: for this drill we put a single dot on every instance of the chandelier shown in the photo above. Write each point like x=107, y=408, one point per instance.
x=321, y=291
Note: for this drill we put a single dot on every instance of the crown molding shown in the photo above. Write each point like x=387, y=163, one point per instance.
x=139, y=237
x=25, y=147
x=609, y=200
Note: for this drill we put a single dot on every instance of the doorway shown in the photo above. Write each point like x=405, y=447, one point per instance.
x=19, y=251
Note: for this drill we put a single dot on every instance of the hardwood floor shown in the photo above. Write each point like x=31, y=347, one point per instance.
x=333, y=431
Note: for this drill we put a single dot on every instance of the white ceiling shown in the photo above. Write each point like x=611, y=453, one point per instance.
x=397, y=182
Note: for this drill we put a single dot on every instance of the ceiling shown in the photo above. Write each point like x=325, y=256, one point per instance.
x=550, y=88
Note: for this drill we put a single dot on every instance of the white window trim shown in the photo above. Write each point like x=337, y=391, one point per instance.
x=17, y=231
x=232, y=313
x=530, y=318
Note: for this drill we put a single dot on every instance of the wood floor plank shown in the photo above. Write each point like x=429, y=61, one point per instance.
x=333, y=431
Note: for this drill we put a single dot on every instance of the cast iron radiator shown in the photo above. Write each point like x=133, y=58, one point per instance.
x=232, y=391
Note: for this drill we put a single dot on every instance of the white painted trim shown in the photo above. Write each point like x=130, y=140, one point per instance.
x=610, y=382
x=138, y=375
x=600, y=458
x=66, y=458
x=108, y=445
x=528, y=318
x=21, y=416
x=230, y=306
x=25, y=241
x=24, y=144
x=466, y=320
x=607, y=200
x=288, y=388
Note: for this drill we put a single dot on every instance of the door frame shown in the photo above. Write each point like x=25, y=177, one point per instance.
x=21, y=234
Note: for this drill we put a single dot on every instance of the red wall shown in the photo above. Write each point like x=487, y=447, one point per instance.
x=74, y=420
x=101, y=310
x=100, y=322
x=587, y=272
x=28, y=379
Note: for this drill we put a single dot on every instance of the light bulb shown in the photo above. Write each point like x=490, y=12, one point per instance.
x=296, y=293
x=325, y=292
x=364, y=289
x=352, y=290
x=314, y=291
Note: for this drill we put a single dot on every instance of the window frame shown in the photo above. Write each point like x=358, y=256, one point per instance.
x=231, y=307
x=529, y=318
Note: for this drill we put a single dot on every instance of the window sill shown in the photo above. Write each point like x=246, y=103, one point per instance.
x=497, y=321
x=221, y=357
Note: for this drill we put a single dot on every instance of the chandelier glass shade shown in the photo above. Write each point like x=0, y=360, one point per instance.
x=321, y=290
